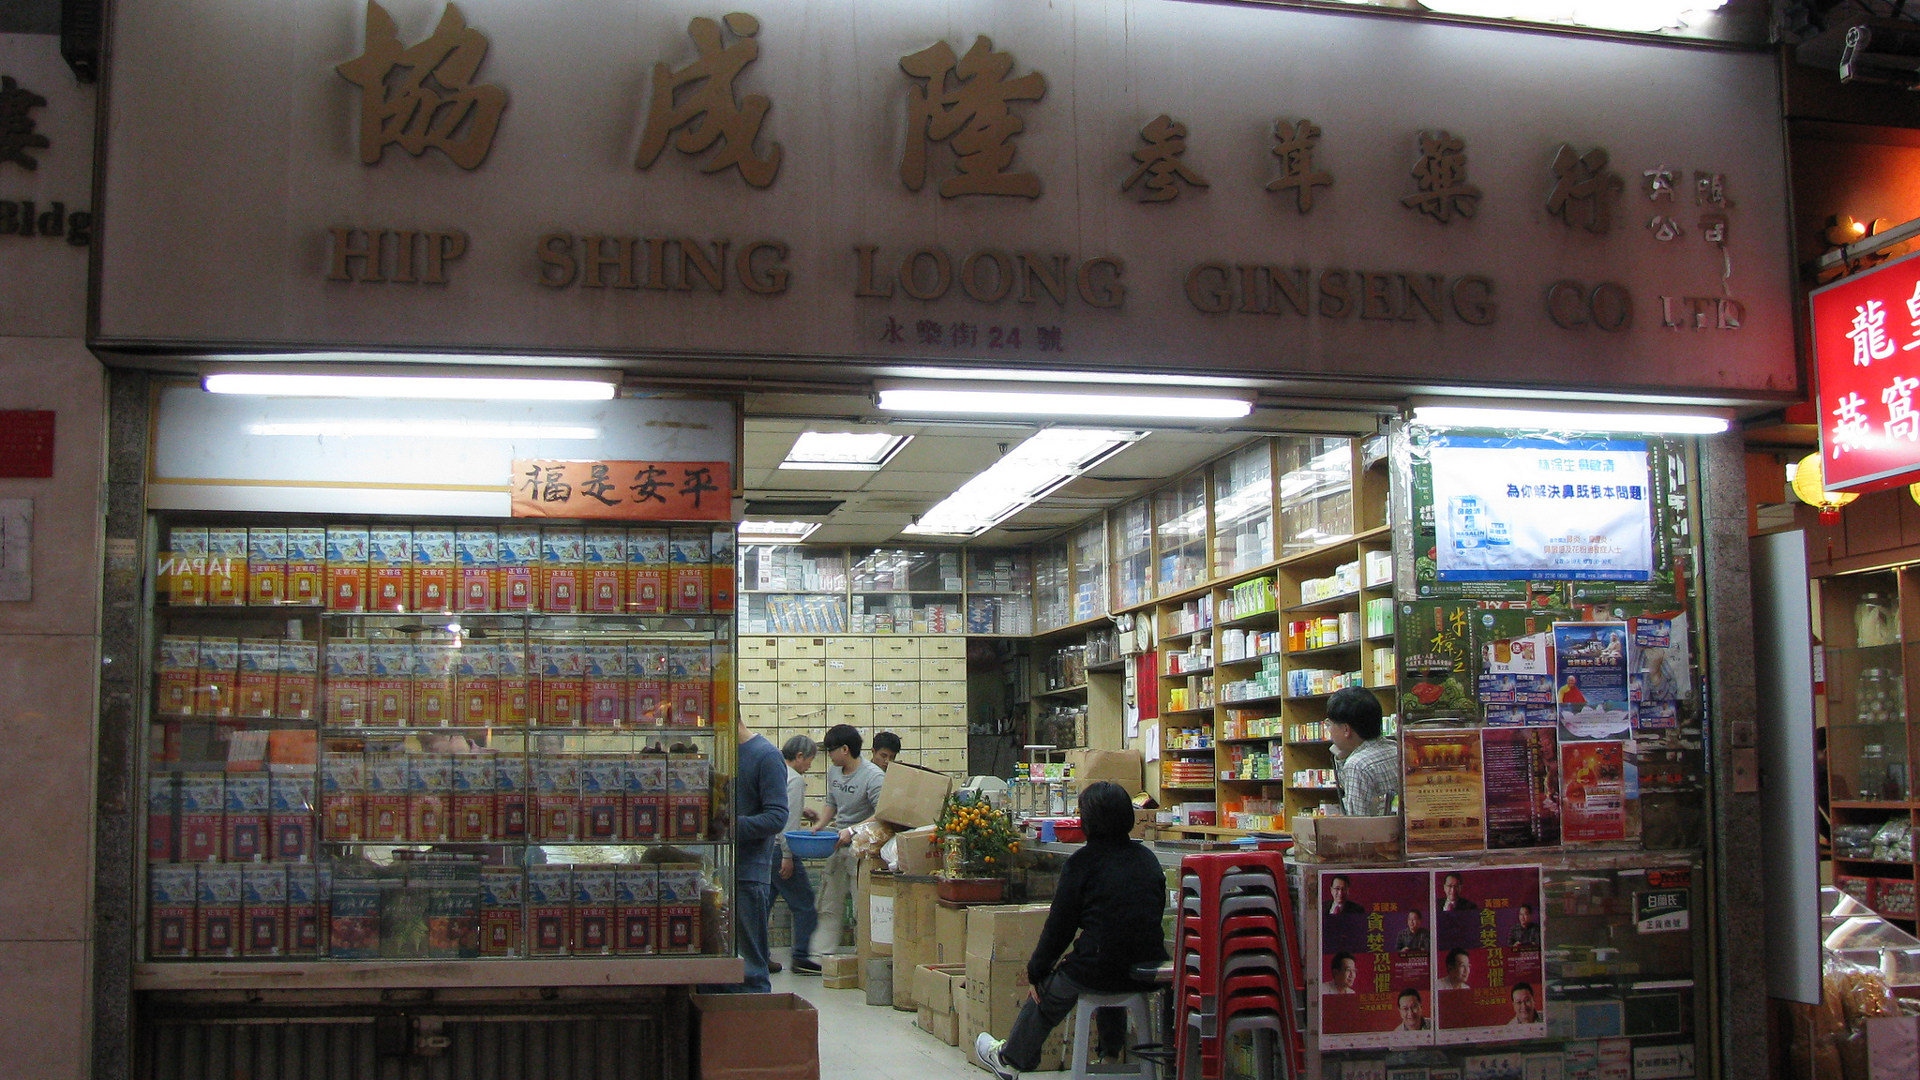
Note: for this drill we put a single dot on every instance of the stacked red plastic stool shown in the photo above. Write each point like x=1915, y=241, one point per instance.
x=1237, y=964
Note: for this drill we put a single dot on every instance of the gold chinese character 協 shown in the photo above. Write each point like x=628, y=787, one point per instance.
x=400, y=106
x=1582, y=179
x=1294, y=144
x=16, y=127
x=973, y=118
x=1441, y=173
x=709, y=113
x=1160, y=162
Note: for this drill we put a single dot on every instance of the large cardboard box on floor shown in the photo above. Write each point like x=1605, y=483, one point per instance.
x=755, y=1037
x=912, y=796
x=1123, y=767
x=873, y=932
x=914, y=902
x=949, y=933
x=1000, y=940
x=940, y=990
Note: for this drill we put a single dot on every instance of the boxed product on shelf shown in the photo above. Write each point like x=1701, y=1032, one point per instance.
x=389, y=569
x=1893, y=897
x=556, y=797
x=644, y=780
x=173, y=895
x=183, y=567
x=297, y=683
x=477, y=552
x=512, y=803
x=470, y=784
x=390, y=683
x=606, y=570
x=689, y=796
x=1378, y=567
x=636, y=901
x=502, y=898
x=476, y=684
x=349, y=664
x=648, y=562
x=603, y=796
x=216, y=915
x=266, y=566
x=343, y=796
x=214, y=691
x=563, y=554
x=606, y=684
x=647, y=681
x=1379, y=614
x=226, y=567
x=436, y=569
x=429, y=794
x=513, y=676
x=386, y=799
x=306, y=566
x=354, y=915
x=452, y=888
x=432, y=702
x=263, y=910
x=594, y=930
x=690, y=577
x=202, y=816
x=303, y=910
x=561, y=665
x=348, y=551
x=177, y=674
x=690, y=678
x=518, y=555
x=722, y=555
x=244, y=835
x=549, y=909
x=163, y=822
x=290, y=814
x=679, y=895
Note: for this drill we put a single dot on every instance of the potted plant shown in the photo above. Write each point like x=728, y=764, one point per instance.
x=977, y=842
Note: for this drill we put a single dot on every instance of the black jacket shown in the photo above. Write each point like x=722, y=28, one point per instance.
x=1112, y=893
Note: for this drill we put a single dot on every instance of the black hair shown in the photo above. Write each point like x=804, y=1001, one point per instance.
x=887, y=740
x=843, y=735
x=1526, y=907
x=1358, y=709
x=1106, y=813
x=1341, y=878
x=1453, y=953
x=1517, y=987
x=1346, y=956
x=1416, y=913
x=1410, y=992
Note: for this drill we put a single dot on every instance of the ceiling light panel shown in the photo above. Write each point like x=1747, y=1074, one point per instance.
x=844, y=451
x=1675, y=423
x=1023, y=476
x=963, y=399
x=775, y=532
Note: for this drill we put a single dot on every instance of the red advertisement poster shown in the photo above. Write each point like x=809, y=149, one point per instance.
x=1376, y=959
x=1593, y=779
x=1487, y=938
x=1523, y=787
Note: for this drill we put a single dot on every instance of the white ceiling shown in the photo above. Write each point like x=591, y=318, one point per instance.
x=943, y=456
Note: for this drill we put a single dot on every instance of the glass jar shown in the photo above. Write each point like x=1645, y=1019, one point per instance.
x=1875, y=621
x=1873, y=772
x=1878, y=697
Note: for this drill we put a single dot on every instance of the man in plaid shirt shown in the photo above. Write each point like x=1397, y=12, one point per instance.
x=1367, y=765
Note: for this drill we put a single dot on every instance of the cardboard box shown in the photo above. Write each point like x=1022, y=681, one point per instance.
x=941, y=992
x=435, y=569
x=478, y=553
x=647, y=567
x=949, y=933
x=756, y=1037
x=1346, y=839
x=172, y=899
x=914, y=902
x=549, y=909
x=636, y=897
x=1123, y=767
x=1000, y=939
x=183, y=567
x=226, y=567
x=606, y=570
x=501, y=895
x=562, y=561
x=519, y=556
x=914, y=852
x=912, y=796
x=306, y=566
x=266, y=566
x=841, y=971
x=680, y=908
x=873, y=924
x=297, y=688
x=389, y=569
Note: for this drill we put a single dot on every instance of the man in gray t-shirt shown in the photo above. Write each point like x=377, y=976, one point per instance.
x=853, y=790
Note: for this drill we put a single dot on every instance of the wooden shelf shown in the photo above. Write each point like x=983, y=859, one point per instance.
x=1328, y=650
x=1248, y=620
x=1256, y=658
x=1852, y=804
x=1077, y=688
x=390, y=974
x=1341, y=602
x=1109, y=667
x=1907, y=866
x=1203, y=710
x=1184, y=674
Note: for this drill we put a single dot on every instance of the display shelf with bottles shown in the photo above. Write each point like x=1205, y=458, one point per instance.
x=486, y=742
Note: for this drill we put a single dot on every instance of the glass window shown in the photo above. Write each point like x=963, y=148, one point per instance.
x=907, y=591
x=1087, y=547
x=1132, y=554
x=1052, y=595
x=1243, y=510
x=1316, y=492
x=999, y=591
x=1180, y=533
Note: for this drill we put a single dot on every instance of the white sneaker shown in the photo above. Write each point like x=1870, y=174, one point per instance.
x=987, y=1049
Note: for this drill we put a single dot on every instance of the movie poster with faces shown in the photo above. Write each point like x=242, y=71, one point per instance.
x=1487, y=937
x=1376, y=959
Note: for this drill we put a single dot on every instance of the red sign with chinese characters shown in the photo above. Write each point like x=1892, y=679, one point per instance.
x=1866, y=351
x=623, y=490
x=26, y=444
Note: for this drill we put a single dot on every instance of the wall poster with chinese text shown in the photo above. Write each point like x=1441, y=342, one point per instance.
x=1574, y=510
x=1487, y=937
x=1591, y=684
x=1593, y=779
x=1662, y=670
x=623, y=490
x=1376, y=959
x=1442, y=789
x=1522, y=768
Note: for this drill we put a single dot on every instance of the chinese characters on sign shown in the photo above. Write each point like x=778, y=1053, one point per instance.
x=423, y=96
x=1293, y=144
x=1160, y=161
x=623, y=490
x=1866, y=330
x=1441, y=172
x=1582, y=187
x=710, y=113
x=973, y=118
x=17, y=135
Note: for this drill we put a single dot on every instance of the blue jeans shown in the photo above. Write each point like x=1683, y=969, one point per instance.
x=750, y=911
x=797, y=891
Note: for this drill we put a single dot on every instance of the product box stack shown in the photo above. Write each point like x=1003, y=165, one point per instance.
x=1000, y=939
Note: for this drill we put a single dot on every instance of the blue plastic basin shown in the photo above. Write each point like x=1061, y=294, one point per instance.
x=812, y=845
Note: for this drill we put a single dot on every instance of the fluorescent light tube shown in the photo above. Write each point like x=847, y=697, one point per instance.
x=929, y=398
x=775, y=532
x=1571, y=420
x=440, y=387
x=423, y=429
x=1023, y=476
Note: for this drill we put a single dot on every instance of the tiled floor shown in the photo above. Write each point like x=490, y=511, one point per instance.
x=870, y=1042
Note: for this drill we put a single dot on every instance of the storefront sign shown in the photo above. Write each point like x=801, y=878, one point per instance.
x=1489, y=925
x=1866, y=352
x=623, y=490
x=874, y=182
x=46, y=175
x=1520, y=509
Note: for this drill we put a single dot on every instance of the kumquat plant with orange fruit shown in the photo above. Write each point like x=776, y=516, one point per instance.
x=974, y=838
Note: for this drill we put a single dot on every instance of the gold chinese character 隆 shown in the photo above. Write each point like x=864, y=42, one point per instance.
x=709, y=113
x=974, y=118
x=423, y=96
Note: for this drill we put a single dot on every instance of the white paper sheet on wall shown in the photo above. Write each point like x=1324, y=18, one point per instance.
x=1150, y=742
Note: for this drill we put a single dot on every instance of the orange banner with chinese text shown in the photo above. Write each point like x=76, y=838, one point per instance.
x=623, y=490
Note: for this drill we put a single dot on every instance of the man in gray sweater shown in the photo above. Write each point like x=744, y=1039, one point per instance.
x=760, y=812
x=853, y=790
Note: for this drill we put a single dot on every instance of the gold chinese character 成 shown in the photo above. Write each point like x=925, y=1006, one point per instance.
x=1441, y=172
x=1160, y=162
x=1294, y=144
x=973, y=118
x=709, y=114
x=400, y=106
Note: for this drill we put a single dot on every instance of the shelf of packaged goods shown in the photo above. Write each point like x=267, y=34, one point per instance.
x=908, y=592
x=1343, y=601
x=792, y=592
x=1187, y=635
x=1186, y=787
x=1203, y=710
x=1188, y=750
x=194, y=718
x=397, y=974
x=1241, y=703
x=240, y=609
x=1062, y=691
x=1252, y=738
x=1388, y=636
x=1208, y=670
x=1252, y=780
x=1199, y=830
x=1311, y=787
x=1309, y=742
x=1861, y=804
x=513, y=729
x=1907, y=866
x=1326, y=650
x=545, y=616
x=525, y=842
x=1252, y=618
x=1340, y=546
x=1254, y=659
